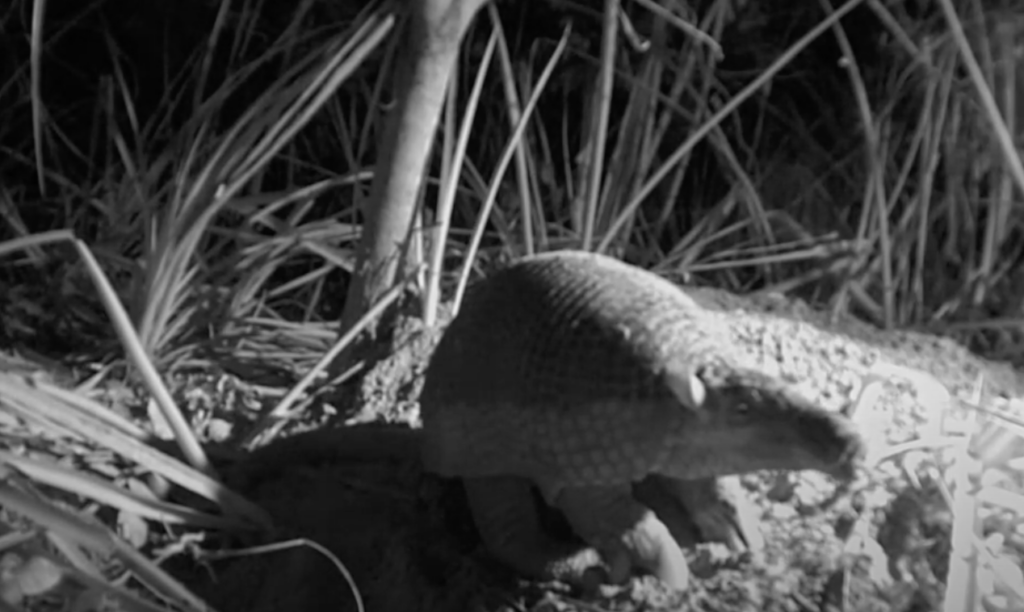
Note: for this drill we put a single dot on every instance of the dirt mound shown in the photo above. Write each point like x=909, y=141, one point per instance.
x=408, y=540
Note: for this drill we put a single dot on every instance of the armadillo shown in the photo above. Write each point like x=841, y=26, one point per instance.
x=582, y=376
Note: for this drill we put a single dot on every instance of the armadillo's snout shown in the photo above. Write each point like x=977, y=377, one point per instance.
x=834, y=440
x=820, y=441
x=778, y=428
x=829, y=441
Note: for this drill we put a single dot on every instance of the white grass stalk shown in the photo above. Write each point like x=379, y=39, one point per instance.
x=38, y=111
x=504, y=161
x=183, y=434
x=875, y=191
x=515, y=112
x=609, y=45
x=962, y=591
x=450, y=188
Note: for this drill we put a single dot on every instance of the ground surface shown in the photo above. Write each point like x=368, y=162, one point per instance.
x=409, y=544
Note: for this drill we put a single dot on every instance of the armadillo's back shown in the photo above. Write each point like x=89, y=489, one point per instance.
x=554, y=366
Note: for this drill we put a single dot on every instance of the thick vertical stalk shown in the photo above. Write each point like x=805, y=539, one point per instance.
x=432, y=38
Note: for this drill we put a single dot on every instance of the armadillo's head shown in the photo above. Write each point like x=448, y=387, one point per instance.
x=743, y=420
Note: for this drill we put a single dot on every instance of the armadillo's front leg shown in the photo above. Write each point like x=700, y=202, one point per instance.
x=628, y=534
x=716, y=508
x=506, y=517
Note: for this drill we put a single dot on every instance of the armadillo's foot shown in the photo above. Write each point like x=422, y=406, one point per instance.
x=628, y=534
x=717, y=509
x=507, y=519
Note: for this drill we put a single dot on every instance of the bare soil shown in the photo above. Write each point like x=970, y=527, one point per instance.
x=409, y=543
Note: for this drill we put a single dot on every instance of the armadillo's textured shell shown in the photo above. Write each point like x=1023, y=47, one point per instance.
x=553, y=370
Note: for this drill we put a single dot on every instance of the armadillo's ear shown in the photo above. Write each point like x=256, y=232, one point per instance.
x=688, y=388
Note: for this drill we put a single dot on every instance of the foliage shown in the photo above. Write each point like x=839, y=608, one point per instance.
x=210, y=159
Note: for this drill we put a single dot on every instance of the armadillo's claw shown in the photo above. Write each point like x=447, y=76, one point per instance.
x=653, y=549
x=704, y=510
x=629, y=535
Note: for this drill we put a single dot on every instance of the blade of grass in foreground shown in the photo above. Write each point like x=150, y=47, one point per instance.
x=100, y=541
x=128, y=446
x=31, y=402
